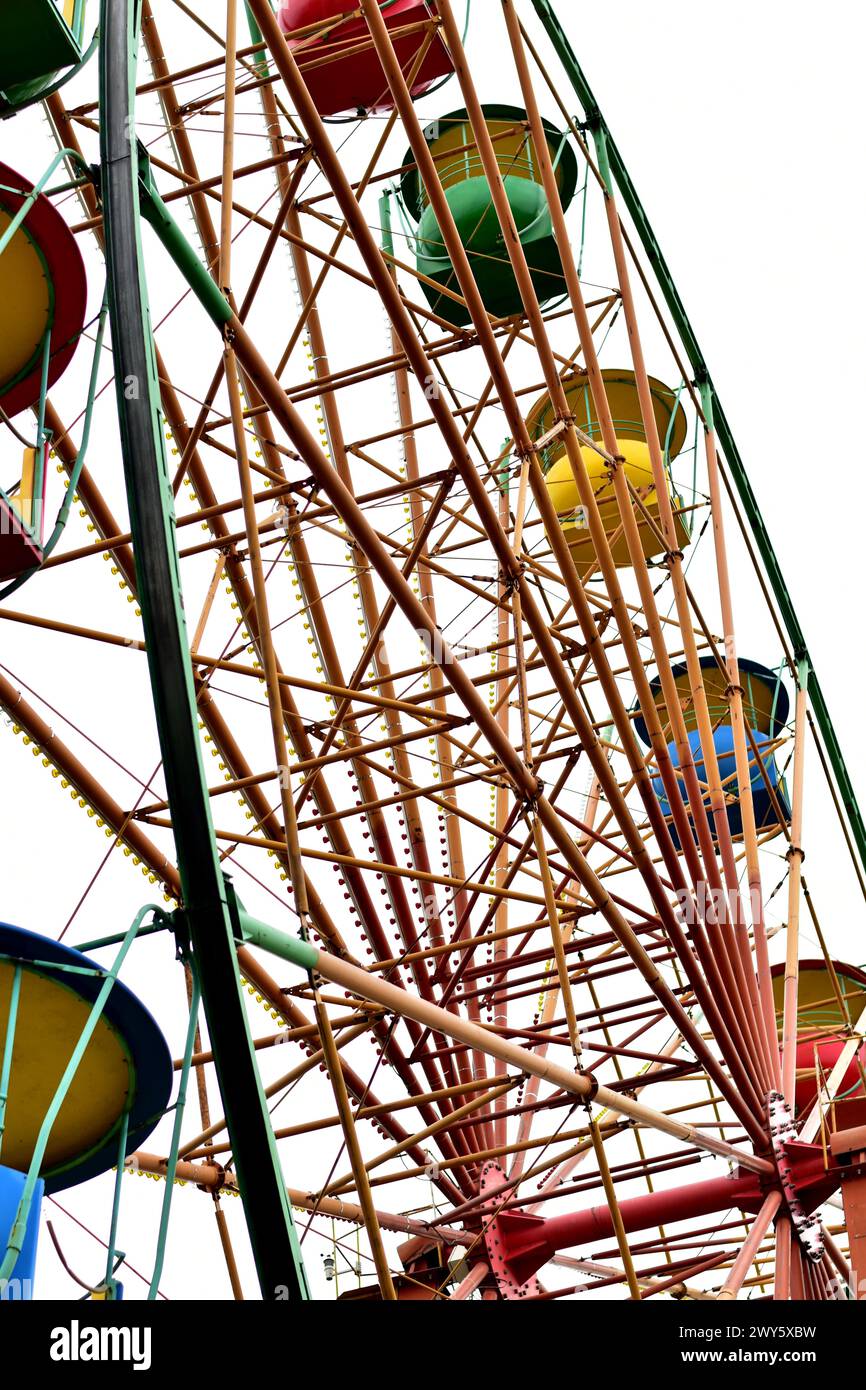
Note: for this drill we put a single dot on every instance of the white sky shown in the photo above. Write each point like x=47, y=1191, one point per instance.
x=742, y=127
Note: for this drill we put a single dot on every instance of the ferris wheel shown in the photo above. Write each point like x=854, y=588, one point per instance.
x=425, y=776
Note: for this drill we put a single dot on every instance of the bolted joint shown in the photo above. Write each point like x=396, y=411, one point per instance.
x=593, y=1083
x=511, y=582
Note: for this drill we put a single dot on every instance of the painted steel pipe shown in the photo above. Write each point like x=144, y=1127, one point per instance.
x=529, y=1242
x=400, y=1001
x=271, y=391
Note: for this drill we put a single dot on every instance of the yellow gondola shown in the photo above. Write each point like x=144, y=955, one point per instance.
x=622, y=395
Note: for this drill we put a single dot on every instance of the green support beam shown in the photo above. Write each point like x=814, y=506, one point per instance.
x=620, y=176
x=208, y=913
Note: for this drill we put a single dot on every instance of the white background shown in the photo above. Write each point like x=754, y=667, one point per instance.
x=743, y=128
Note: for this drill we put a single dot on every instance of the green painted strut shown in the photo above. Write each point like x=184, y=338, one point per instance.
x=179, y=1107
x=278, y=943
x=208, y=914
x=112, y=1256
x=16, y=221
x=157, y=215
x=616, y=172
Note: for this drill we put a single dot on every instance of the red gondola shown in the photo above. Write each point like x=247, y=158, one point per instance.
x=340, y=65
x=43, y=299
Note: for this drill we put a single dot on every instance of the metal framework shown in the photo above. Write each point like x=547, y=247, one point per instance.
x=522, y=832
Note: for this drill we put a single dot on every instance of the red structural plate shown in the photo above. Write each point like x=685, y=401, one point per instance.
x=65, y=269
x=353, y=80
x=18, y=550
x=502, y=1234
x=519, y=1244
